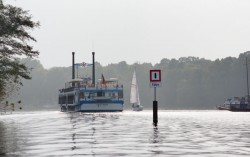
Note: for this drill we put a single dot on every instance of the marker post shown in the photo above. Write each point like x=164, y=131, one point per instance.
x=155, y=81
x=155, y=109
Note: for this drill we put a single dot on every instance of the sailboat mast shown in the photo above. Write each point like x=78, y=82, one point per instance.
x=247, y=82
x=73, y=65
x=137, y=95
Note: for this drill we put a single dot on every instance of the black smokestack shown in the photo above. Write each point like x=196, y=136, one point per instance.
x=73, y=65
x=93, y=68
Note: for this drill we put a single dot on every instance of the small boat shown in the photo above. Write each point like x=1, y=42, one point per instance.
x=134, y=95
x=84, y=95
x=238, y=104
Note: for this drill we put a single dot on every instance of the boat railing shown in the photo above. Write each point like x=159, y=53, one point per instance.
x=91, y=86
x=70, y=89
x=108, y=86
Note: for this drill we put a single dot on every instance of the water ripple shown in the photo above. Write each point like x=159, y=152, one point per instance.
x=179, y=133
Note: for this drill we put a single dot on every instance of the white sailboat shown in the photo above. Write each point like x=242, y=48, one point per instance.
x=134, y=95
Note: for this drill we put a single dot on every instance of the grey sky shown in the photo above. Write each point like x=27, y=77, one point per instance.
x=138, y=30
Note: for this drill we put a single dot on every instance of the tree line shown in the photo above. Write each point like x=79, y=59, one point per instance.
x=187, y=82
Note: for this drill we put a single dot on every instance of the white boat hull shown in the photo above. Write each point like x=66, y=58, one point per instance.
x=92, y=108
x=101, y=108
x=139, y=108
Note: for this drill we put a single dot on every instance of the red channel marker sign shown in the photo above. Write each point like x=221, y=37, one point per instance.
x=155, y=78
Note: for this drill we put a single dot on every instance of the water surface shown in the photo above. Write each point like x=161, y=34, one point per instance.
x=179, y=133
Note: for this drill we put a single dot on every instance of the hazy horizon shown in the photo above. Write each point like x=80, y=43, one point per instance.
x=137, y=62
x=137, y=30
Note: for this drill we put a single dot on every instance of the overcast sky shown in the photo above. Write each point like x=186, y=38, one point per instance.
x=138, y=30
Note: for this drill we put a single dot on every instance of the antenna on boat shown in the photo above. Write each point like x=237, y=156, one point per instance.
x=93, y=68
x=73, y=65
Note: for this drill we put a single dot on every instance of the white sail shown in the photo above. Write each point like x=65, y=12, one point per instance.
x=134, y=95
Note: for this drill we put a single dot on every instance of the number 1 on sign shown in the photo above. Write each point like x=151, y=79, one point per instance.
x=155, y=76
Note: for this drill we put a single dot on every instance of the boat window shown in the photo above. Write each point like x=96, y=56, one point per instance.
x=120, y=94
x=62, y=99
x=70, y=99
x=81, y=95
x=91, y=95
x=100, y=94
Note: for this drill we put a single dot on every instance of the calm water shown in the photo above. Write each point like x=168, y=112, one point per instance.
x=179, y=133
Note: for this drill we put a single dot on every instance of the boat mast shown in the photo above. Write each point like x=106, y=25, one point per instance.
x=73, y=65
x=93, y=68
x=247, y=82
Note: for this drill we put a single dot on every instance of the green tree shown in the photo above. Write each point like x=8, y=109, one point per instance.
x=14, y=35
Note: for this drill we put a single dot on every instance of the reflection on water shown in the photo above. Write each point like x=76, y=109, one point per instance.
x=178, y=133
x=3, y=142
x=156, y=135
x=9, y=138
